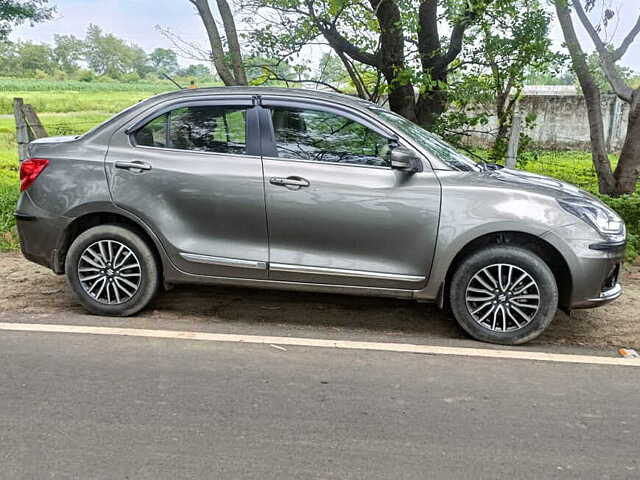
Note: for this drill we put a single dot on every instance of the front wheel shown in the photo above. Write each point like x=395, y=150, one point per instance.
x=112, y=271
x=504, y=294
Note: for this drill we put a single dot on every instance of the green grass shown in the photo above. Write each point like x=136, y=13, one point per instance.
x=72, y=101
x=34, y=85
x=8, y=199
x=57, y=124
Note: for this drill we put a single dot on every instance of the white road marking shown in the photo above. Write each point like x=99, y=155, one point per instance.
x=313, y=342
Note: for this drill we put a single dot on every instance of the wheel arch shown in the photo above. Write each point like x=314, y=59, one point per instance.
x=106, y=217
x=545, y=250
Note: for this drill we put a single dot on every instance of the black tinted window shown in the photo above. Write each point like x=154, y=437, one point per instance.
x=327, y=137
x=204, y=129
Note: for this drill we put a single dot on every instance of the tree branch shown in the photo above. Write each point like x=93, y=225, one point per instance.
x=273, y=75
x=338, y=42
x=618, y=84
x=628, y=40
x=428, y=36
x=217, y=49
x=471, y=13
x=232, y=40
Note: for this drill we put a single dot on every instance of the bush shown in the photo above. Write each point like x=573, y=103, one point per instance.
x=85, y=76
x=8, y=198
x=628, y=207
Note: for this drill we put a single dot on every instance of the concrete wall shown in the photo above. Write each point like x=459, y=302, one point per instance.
x=561, y=121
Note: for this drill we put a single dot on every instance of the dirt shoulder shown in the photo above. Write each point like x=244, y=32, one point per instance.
x=31, y=289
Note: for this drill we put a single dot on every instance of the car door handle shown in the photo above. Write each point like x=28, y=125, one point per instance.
x=133, y=165
x=290, y=181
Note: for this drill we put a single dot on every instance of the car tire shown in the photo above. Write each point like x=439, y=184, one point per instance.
x=504, y=294
x=112, y=271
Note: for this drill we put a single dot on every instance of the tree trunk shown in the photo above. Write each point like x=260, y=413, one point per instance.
x=430, y=107
x=591, y=91
x=401, y=94
x=234, y=45
x=626, y=174
x=217, y=48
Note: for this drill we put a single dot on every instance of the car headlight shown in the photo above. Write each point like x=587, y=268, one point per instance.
x=604, y=220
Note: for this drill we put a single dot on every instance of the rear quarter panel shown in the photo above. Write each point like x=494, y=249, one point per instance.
x=74, y=179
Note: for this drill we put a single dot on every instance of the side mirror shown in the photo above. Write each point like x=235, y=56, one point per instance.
x=405, y=159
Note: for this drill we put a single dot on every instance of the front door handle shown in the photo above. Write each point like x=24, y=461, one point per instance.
x=290, y=182
x=133, y=166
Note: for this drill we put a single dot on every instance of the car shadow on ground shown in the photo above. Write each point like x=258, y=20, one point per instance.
x=26, y=288
x=308, y=310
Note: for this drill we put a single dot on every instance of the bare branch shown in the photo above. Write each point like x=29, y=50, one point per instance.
x=618, y=84
x=628, y=40
x=273, y=75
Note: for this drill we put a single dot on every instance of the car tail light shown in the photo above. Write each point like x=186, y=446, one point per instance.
x=29, y=171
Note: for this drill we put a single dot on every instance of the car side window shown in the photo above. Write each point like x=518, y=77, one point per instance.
x=199, y=128
x=327, y=137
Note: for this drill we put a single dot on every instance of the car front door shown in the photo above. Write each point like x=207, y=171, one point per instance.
x=192, y=172
x=337, y=212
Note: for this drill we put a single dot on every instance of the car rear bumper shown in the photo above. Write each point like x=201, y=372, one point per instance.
x=39, y=234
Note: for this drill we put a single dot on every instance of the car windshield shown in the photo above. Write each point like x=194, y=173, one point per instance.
x=429, y=141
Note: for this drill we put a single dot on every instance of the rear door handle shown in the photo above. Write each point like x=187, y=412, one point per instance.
x=133, y=165
x=290, y=182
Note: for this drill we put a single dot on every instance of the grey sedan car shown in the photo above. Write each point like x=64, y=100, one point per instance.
x=309, y=191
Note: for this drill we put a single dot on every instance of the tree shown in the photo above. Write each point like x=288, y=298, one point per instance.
x=35, y=58
x=513, y=39
x=197, y=71
x=68, y=52
x=164, y=60
x=332, y=70
x=624, y=178
x=228, y=64
x=16, y=12
x=109, y=55
x=400, y=40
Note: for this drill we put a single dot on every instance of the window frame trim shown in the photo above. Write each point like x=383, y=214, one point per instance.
x=252, y=145
x=267, y=137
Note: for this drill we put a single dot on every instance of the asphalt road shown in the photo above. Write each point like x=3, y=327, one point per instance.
x=86, y=407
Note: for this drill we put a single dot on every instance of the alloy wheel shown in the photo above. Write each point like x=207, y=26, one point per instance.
x=502, y=297
x=109, y=272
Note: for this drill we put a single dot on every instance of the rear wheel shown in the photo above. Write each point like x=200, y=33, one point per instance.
x=112, y=271
x=504, y=294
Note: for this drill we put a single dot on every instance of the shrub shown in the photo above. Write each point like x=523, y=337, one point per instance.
x=8, y=198
x=85, y=76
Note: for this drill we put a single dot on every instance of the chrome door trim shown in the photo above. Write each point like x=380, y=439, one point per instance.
x=223, y=261
x=339, y=272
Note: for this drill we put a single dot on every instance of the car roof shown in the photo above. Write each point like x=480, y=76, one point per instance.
x=298, y=93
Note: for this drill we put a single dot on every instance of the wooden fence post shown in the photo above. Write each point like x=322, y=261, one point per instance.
x=22, y=129
x=34, y=122
x=28, y=127
x=514, y=140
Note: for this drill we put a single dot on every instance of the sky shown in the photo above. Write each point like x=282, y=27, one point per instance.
x=136, y=20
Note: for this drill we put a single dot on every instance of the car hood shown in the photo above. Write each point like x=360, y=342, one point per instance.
x=538, y=184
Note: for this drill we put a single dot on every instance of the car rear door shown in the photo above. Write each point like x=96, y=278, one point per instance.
x=337, y=212
x=192, y=172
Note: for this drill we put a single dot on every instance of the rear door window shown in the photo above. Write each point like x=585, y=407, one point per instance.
x=212, y=129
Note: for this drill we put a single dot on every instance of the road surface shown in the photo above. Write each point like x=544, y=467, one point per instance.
x=108, y=407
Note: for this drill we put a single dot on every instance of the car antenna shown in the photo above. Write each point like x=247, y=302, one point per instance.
x=172, y=81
